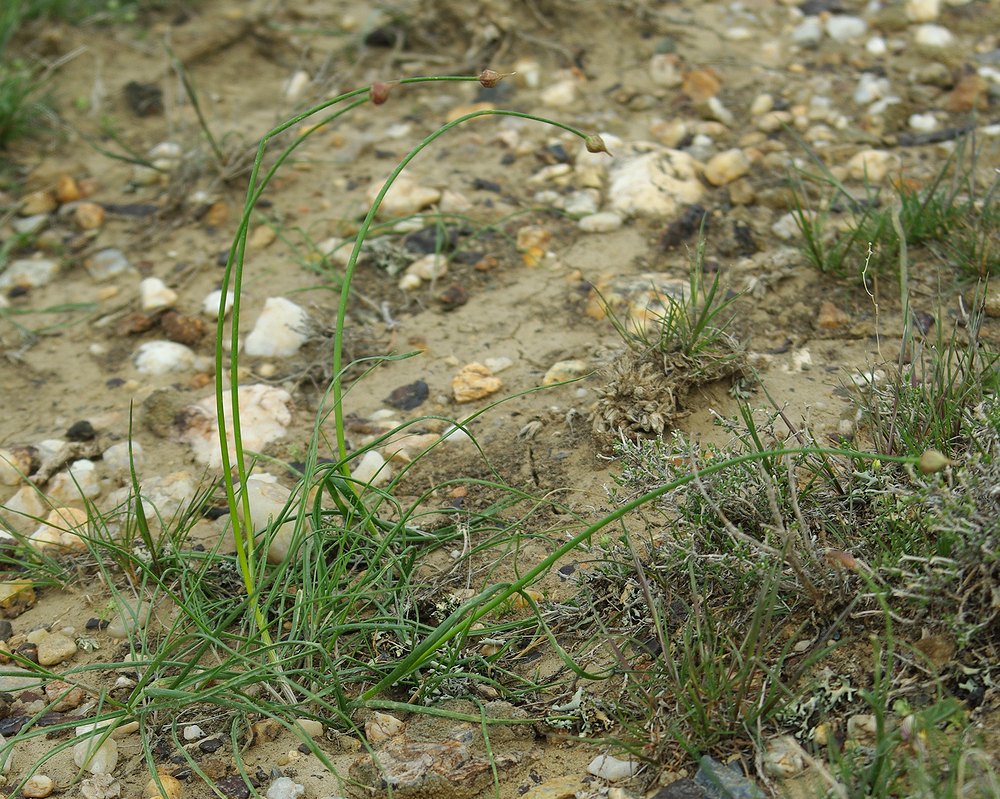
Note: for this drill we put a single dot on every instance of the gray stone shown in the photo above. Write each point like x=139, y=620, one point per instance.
x=723, y=782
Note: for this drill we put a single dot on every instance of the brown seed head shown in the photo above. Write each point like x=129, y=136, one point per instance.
x=379, y=92
x=595, y=144
x=490, y=78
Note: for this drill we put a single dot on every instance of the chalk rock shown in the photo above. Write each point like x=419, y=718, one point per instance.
x=269, y=502
x=16, y=463
x=808, y=33
x=38, y=786
x=61, y=530
x=784, y=758
x=281, y=329
x=297, y=84
x=647, y=179
x=154, y=295
x=164, y=357
x=474, y=381
x=265, y=413
x=29, y=273
x=404, y=198
x=381, y=726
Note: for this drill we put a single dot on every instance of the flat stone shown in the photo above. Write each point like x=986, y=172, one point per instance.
x=29, y=273
x=612, y=769
x=55, y=648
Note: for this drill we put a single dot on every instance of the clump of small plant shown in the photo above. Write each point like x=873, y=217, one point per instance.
x=682, y=347
x=954, y=216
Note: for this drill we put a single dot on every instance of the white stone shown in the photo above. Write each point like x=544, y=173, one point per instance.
x=718, y=111
x=100, y=786
x=923, y=10
x=155, y=295
x=382, y=726
x=647, y=179
x=5, y=763
x=429, y=267
x=285, y=788
x=561, y=371
x=612, y=769
x=192, y=732
x=210, y=305
x=107, y=264
x=297, y=84
x=15, y=465
x=922, y=123
x=784, y=758
x=933, y=36
x=870, y=88
x=726, y=167
x=404, y=198
x=454, y=202
x=582, y=203
x=787, y=227
x=410, y=282
x=80, y=480
x=30, y=225
x=844, y=28
x=281, y=329
x=876, y=46
x=602, y=222
x=118, y=460
x=23, y=510
x=163, y=357
x=265, y=413
x=29, y=273
x=94, y=757
x=808, y=33
x=166, y=150
x=498, y=363
x=372, y=470
x=738, y=33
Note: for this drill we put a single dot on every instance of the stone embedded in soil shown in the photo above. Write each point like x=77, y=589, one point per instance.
x=784, y=758
x=268, y=500
x=64, y=696
x=155, y=295
x=601, y=222
x=55, y=648
x=381, y=727
x=612, y=769
x=647, y=179
x=726, y=167
x=16, y=463
x=38, y=786
x=830, y=317
x=265, y=413
x=284, y=788
x=844, y=28
x=562, y=371
x=474, y=381
x=681, y=789
x=29, y=273
x=60, y=531
x=164, y=357
x=108, y=264
x=281, y=330
x=79, y=481
x=23, y=509
x=181, y=328
x=96, y=757
x=872, y=166
x=429, y=267
x=557, y=788
x=405, y=197
x=372, y=469
x=100, y=786
x=88, y=216
x=164, y=787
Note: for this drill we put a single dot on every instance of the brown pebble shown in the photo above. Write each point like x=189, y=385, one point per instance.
x=169, y=788
x=453, y=297
x=63, y=695
x=217, y=214
x=971, y=92
x=701, y=84
x=487, y=263
x=830, y=317
x=182, y=328
x=38, y=202
x=89, y=216
x=67, y=190
x=134, y=323
x=38, y=787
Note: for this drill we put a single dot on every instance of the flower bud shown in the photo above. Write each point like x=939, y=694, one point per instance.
x=932, y=461
x=490, y=78
x=595, y=144
x=379, y=92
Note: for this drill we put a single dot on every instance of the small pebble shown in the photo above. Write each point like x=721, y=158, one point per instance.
x=382, y=726
x=601, y=222
x=612, y=769
x=844, y=28
x=210, y=305
x=100, y=786
x=192, y=732
x=154, y=295
x=163, y=357
x=933, y=36
x=784, y=758
x=726, y=167
x=723, y=782
x=876, y=46
x=29, y=273
x=169, y=788
x=97, y=759
x=562, y=371
x=38, y=787
x=107, y=264
x=405, y=197
x=560, y=94
x=922, y=123
x=923, y=10
x=474, y=381
x=30, y=225
x=297, y=84
x=372, y=470
x=37, y=202
x=284, y=788
x=261, y=238
x=872, y=166
x=808, y=33
x=88, y=216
